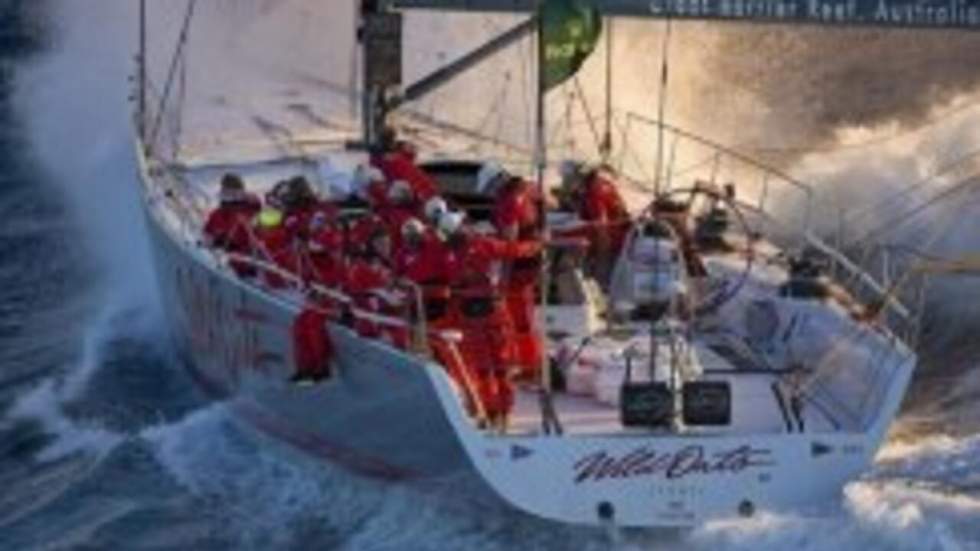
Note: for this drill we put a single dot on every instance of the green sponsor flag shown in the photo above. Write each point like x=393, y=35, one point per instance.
x=570, y=30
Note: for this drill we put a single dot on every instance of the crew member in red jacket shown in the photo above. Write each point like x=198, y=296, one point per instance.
x=227, y=226
x=478, y=309
x=517, y=217
x=326, y=251
x=402, y=206
x=421, y=257
x=371, y=186
x=397, y=162
x=367, y=271
x=299, y=204
x=274, y=246
x=312, y=349
x=597, y=201
x=421, y=261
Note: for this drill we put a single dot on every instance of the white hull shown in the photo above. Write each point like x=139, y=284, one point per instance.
x=390, y=415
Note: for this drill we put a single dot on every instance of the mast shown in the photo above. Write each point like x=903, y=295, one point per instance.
x=549, y=420
x=380, y=35
x=369, y=97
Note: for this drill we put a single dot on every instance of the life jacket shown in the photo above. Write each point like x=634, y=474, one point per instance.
x=517, y=216
x=477, y=304
x=601, y=200
x=297, y=220
x=394, y=219
x=227, y=228
x=400, y=165
x=517, y=210
x=363, y=276
x=326, y=254
x=479, y=311
x=377, y=195
x=312, y=349
x=227, y=225
x=427, y=267
x=362, y=231
x=518, y=297
x=274, y=245
x=602, y=204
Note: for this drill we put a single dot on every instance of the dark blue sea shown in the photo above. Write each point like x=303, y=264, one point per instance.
x=105, y=444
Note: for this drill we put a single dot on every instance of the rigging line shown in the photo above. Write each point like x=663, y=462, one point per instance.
x=907, y=216
x=665, y=52
x=605, y=148
x=670, y=164
x=624, y=130
x=896, y=289
x=503, y=100
x=178, y=130
x=695, y=166
x=942, y=230
x=425, y=119
x=568, y=144
x=580, y=93
x=178, y=54
x=526, y=56
x=494, y=110
x=901, y=195
x=727, y=151
x=631, y=152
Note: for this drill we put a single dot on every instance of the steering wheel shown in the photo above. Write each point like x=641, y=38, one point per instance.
x=721, y=290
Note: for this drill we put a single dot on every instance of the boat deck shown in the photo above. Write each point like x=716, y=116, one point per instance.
x=757, y=407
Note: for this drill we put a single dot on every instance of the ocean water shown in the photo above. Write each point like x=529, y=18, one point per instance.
x=106, y=444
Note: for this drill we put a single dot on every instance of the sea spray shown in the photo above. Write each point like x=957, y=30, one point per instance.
x=336, y=509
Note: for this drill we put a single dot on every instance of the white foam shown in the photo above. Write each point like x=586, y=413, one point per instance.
x=44, y=405
x=264, y=489
x=901, y=504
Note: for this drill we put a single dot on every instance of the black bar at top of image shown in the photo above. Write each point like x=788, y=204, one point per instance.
x=934, y=14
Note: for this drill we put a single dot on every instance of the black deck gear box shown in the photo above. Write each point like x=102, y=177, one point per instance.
x=707, y=403
x=645, y=404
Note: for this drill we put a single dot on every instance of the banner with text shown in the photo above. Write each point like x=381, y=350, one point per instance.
x=936, y=14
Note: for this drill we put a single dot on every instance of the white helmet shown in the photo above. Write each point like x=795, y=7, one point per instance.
x=451, y=223
x=434, y=209
x=489, y=173
x=413, y=227
x=400, y=192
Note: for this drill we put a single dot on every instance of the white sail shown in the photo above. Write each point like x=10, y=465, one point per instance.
x=251, y=71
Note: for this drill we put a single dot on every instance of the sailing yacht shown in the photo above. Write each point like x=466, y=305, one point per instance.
x=734, y=363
